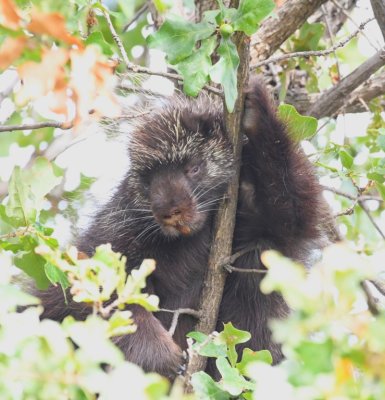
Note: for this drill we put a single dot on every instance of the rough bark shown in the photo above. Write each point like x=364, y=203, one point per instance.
x=379, y=12
x=354, y=103
x=276, y=29
x=225, y=220
x=333, y=99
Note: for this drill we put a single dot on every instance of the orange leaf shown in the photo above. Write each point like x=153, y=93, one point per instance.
x=93, y=83
x=40, y=78
x=9, y=16
x=10, y=50
x=52, y=24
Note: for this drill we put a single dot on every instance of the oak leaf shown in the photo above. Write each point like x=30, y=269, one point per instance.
x=93, y=82
x=52, y=24
x=9, y=16
x=39, y=79
x=10, y=50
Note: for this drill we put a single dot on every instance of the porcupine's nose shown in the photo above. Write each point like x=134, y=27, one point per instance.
x=173, y=217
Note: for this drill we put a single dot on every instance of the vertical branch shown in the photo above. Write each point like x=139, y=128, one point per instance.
x=222, y=238
x=379, y=12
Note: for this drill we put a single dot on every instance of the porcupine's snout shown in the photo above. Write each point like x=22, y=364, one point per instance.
x=173, y=204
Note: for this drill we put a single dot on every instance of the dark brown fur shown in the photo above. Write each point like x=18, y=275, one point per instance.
x=280, y=207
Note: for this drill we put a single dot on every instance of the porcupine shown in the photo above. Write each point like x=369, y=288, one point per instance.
x=180, y=163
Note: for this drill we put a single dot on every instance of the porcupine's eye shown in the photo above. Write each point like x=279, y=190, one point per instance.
x=193, y=170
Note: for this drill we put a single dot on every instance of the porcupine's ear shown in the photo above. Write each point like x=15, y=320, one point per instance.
x=195, y=121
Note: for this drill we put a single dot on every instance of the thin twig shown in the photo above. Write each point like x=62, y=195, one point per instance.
x=371, y=300
x=37, y=125
x=341, y=8
x=175, y=77
x=379, y=285
x=374, y=223
x=240, y=253
x=138, y=14
x=330, y=33
x=315, y=53
x=143, y=70
x=117, y=40
x=230, y=268
x=348, y=211
x=339, y=192
x=176, y=315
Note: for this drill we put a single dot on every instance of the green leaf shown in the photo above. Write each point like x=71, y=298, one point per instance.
x=375, y=176
x=162, y=5
x=207, y=347
x=42, y=177
x=20, y=207
x=177, y=37
x=232, y=336
x=27, y=190
x=381, y=140
x=232, y=380
x=300, y=127
x=250, y=13
x=225, y=71
x=346, y=159
x=33, y=265
x=381, y=189
x=55, y=275
x=206, y=388
x=249, y=356
x=316, y=356
x=97, y=38
x=195, y=69
x=309, y=37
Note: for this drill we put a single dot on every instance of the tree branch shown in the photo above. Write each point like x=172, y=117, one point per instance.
x=138, y=14
x=371, y=300
x=379, y=12
x=117, y=40
x=175, y=77
x=37, y=125
x=222, y=238
x=369, y=90
x=316, y=53
x=374, y=223
x=276, y=29
x=334, y=98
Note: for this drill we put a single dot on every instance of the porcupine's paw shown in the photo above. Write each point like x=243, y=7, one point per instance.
x=258, y=105
x=152, y=348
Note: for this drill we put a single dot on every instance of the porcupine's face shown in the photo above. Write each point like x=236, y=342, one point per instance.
x=182, y=161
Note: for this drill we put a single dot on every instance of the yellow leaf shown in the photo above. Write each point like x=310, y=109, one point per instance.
x=344, y=370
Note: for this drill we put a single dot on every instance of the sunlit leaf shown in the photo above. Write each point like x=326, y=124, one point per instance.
x=195, y=69
x=177, y=37
x=52, y=24
x=225, y=71
x=250, y=13
x=300, y=127
x=206, y=388
x=9, y=14
x=10, y=50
